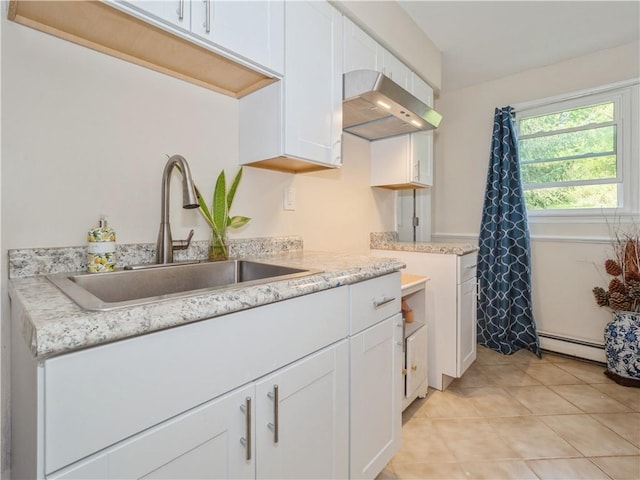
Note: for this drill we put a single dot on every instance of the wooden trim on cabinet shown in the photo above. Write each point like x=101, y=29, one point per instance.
x=106, y=29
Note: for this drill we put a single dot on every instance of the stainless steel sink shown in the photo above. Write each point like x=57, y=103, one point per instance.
x=106, y=291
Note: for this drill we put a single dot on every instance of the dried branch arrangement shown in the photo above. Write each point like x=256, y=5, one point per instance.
x=623, y=292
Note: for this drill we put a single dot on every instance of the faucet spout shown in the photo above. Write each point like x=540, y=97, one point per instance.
x=166, y=245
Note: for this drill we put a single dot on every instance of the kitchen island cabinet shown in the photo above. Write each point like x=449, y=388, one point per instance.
x=450, y=303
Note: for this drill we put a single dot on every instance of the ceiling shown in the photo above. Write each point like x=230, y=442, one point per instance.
x=485, y=40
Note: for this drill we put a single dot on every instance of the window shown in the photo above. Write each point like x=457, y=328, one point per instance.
x=575, y=154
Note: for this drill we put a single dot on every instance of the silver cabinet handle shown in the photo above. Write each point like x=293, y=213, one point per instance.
x=275, y=426
x=384, y=301
x=246, y=440
x=180, y=10
x=469, y=267
x=207, y=16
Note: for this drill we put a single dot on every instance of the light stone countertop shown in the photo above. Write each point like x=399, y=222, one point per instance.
x=389, y=241
x=52, y=324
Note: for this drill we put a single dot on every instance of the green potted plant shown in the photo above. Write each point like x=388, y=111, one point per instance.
x=217, y=216
x=622, y=297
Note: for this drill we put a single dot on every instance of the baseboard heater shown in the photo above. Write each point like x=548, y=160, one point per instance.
x=572, y=347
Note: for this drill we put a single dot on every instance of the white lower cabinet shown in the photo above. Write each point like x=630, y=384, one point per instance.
x=201, y=444
x=303, y=388
x=304, y=434
x=376, y=386
x=450, y=310
x=261, y=430
x=467, y=315
x=416, y=364
x=376, y=380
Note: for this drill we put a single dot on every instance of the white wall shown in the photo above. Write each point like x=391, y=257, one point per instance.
x=85, y=134
x=563, y=254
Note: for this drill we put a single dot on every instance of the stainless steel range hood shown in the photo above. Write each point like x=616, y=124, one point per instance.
x=376, y=107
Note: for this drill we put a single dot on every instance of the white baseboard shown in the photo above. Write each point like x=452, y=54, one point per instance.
x=575, y=349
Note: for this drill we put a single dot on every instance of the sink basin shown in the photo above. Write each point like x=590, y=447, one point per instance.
x=125, y=288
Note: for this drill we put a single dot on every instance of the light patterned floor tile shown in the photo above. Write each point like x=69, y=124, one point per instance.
x=448, y=404
x=422, y=442
x=566, y=469
x=619, y=468
x=550, y=374
x=505, y=470
x=531, y=438
x=473, y=439
x=495, y=402
x=589, y=436
x=626, y=395
x=627, y=425
x=519, y=416
x=473, y=377
x=541, y=400
x=587, y=372
x=428, y=471
x=508, y=375
x=589, y=399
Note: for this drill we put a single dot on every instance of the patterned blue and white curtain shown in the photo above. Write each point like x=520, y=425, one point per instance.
x=505, y=317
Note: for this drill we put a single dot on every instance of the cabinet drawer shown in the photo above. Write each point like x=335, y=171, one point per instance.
x=374, y=300
x=99, y=396
x=467, y=266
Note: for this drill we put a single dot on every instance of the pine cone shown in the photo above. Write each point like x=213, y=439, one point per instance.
x=615, y=285
x=613, y=268
x=618, y=301
x=633, y=289
x=602, y=296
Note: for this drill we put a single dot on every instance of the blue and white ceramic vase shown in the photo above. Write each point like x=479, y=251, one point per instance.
x=622, y=348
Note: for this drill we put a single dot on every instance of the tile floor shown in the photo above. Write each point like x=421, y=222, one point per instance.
x=520, y=417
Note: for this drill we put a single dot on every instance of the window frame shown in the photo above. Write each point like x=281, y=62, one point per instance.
x=625, y=97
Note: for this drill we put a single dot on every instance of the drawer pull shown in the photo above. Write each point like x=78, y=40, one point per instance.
x=246, y=441
x=180, y=10
x=469, y=267
x=207, y=16
x=384, y=301
x=276, y=422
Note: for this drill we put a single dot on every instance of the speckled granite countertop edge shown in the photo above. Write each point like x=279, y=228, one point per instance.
x=53, y=324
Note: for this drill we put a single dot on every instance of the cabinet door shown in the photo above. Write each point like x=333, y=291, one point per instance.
x=361, y=52
x=421, y=89
x=376, y=393
x=403, y=160
x=174, y=12
x=250, y=29
x=302, y=416
x=416, y=360
x=422, y=158
x=313, y=81
x=205, y=443
x=466, y=325
x=397, y=71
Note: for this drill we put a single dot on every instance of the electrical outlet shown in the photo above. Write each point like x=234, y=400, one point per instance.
x=289, y=198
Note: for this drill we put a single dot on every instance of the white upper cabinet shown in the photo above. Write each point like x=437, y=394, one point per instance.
x=397, y=71
x=175, y=12
x=253, y=30
x=296, y=125
x=421, y=89
x=402, y=162
x=361, y=52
